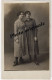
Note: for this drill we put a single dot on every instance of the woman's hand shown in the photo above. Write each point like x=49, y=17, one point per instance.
x=17, y=41
x=35, y=38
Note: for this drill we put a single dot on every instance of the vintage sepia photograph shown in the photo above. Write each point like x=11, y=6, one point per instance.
x=26, y=36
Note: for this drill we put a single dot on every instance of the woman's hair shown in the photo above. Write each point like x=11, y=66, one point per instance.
x=27, y=12
x=19, y=13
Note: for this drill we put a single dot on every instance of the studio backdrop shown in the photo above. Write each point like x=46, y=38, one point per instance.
x=39, y=12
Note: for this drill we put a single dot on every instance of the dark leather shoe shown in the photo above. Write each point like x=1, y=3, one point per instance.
x=21, y=60
x=15, y=63
x=36, y=62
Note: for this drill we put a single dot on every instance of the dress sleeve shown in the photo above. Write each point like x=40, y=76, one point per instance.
x=35, y=30
x=15, y=30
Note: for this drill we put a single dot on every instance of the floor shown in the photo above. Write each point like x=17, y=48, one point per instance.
x=43, y=60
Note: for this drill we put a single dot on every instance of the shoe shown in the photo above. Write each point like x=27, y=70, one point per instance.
x=36, y=60
x=37, y=63
x=21, y=60
x=15, y=63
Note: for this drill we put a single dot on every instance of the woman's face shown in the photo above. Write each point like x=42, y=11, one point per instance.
x=21, y=16
x=28, y=16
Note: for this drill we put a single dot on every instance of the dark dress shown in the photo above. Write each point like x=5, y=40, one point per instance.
x=30, y=35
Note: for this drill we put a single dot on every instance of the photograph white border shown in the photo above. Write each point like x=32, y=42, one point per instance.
x=20, y=74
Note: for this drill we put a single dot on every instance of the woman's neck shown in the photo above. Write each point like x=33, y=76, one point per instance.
x=28, y=19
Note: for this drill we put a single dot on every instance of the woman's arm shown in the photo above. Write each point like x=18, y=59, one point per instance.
x=16, y=38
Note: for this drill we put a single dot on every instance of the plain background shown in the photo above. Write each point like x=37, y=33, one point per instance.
x=40, y=12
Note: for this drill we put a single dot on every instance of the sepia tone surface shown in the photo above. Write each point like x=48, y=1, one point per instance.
x=40, y=12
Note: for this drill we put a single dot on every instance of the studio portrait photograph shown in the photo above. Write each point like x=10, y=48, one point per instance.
x=26, y=36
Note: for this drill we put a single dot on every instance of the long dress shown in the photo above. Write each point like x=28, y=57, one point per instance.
x=31, y=43
x=20, y=46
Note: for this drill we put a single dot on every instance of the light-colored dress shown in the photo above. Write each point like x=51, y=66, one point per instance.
x=19, y=47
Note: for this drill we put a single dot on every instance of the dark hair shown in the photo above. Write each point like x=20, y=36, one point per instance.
x=27, y=12
x=20, y=13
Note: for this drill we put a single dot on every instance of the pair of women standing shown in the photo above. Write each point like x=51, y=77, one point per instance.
x=26, y=39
